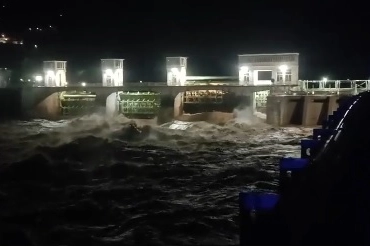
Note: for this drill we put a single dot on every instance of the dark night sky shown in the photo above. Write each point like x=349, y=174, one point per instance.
x=331, y=37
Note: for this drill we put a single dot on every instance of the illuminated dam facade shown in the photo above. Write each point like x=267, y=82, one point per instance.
x=185, y=94
x=267, y=83
x=138, y=104
x=135, y=100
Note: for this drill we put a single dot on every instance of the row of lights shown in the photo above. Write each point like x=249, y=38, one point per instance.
x=5, y=40
x=39, y=78
x=109, y=71
x=38, y=28
x=175, y=70
x=51, y=73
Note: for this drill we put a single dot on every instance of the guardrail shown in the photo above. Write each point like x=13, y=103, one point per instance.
x=136, y=84
x=352, y=87
x=335, y=86
x=161, y=84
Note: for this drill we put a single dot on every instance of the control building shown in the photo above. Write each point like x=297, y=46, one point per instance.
x=55, y=73
x=112, y=72
x=265, y=69
x=176, y=71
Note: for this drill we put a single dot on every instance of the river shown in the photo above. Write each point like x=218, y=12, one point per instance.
x=86, y=181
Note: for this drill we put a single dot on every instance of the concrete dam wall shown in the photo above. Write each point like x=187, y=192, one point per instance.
x=302, y=110
x=57, y=105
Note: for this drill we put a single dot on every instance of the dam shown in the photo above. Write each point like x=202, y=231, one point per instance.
x=134, y=100
x=267, y=83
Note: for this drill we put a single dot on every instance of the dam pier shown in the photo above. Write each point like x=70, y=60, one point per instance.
x=135, y=100
x=267, y=83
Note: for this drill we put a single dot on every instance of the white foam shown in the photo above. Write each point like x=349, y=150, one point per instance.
x=180, y=125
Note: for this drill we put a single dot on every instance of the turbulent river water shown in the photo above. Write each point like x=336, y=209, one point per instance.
x=86, y=181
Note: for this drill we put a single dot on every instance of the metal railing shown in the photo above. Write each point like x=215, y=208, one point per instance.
x=351, y=87
x=334, y=86
x=163, y=84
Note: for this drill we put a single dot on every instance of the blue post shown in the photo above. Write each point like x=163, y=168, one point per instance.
x=309, y=148
x=290, y=172
x=293, y=164
x=257, y=217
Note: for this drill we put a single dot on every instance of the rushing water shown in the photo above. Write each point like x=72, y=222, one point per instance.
x=88, y=181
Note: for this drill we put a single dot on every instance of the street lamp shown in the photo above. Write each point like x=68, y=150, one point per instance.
x=244, y=69
x=324, y=79
x=38, y=78
x=283, y=68
x=83, y=84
